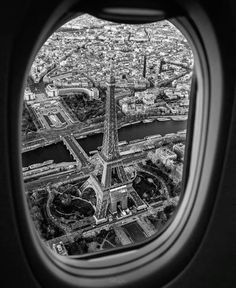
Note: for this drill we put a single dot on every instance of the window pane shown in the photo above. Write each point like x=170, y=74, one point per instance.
x=103, y=133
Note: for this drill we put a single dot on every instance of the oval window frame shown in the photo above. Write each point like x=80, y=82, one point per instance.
x=91, y=273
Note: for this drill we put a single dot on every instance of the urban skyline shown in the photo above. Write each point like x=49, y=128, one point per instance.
x=91, y=78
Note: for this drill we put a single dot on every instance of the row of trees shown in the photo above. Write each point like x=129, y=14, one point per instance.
x=82, y=245
x=27, y=124
x=162, y=171
x=148, y=188
x=37, y=206
x=83, y=108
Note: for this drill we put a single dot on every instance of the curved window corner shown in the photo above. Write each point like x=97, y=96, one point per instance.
x=117, y=150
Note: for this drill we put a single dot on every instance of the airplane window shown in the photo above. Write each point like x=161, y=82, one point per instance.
x=104, y=127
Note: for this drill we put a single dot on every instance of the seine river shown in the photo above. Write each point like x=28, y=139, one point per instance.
x=59, y=153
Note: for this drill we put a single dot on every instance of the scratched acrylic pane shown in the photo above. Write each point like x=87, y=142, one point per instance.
x=103, y=133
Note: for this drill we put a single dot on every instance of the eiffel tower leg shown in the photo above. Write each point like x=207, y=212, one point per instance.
x=101, y=208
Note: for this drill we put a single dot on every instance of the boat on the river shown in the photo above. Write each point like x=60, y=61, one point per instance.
x=126, y=124
x=135, y=141
x=122, y=143
x=136, y=122
x=93, y=152
x=148, y=120
x=163, y=119
x=37, y=165
x=180, y=118
x=153, y=136
x=82, y=136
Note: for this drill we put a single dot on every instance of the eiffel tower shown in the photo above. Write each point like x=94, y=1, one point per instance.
x=114, y=187
x=113, y=170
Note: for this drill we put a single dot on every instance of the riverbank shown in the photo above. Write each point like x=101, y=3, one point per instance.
x=84, y=133
x=89, y=143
